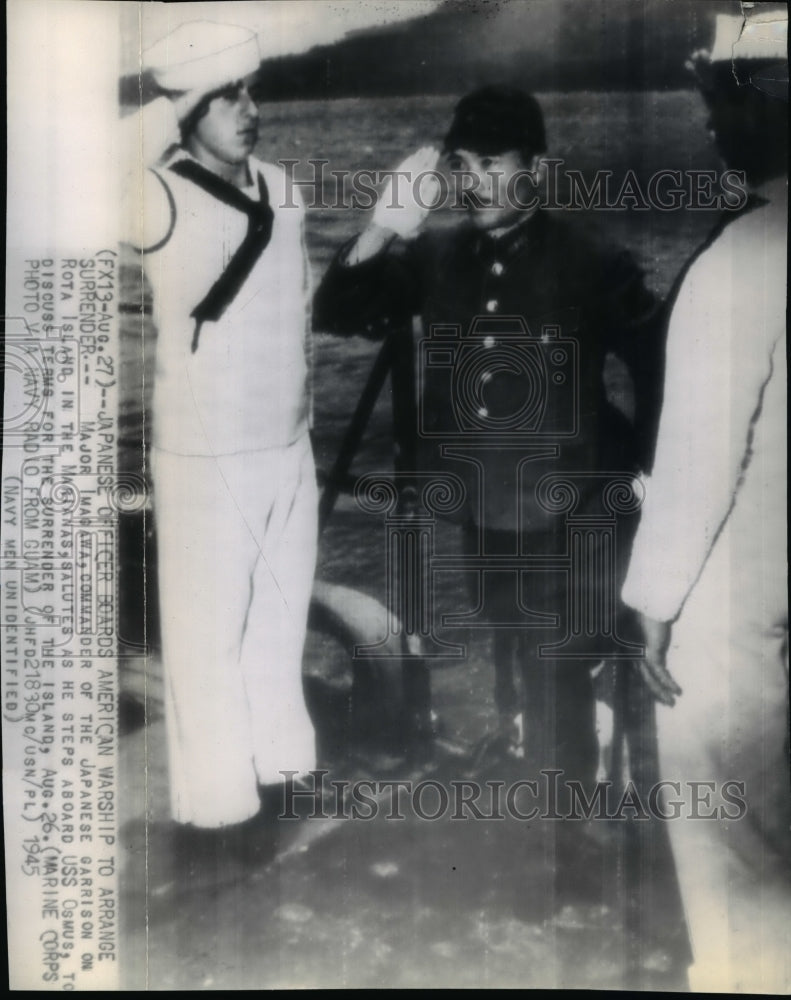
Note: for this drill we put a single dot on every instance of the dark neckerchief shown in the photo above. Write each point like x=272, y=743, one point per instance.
x=259, y=232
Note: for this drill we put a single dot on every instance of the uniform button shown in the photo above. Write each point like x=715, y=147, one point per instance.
x=489, y=341
x=491, y=305
x=483, y=412
x=497, y=268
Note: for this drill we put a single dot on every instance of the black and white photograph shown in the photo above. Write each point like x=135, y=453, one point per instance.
x=393, y=557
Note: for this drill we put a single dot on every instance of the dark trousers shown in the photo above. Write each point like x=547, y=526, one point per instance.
x=555, y=696
x=557, y=703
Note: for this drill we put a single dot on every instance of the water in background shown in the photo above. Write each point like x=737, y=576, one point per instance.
x=644, y=132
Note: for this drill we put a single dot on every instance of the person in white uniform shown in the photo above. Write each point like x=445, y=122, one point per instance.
x=232, y=467
x=708, y=571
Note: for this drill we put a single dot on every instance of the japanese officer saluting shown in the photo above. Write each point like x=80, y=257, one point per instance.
x=232, y=467
x=504, y=276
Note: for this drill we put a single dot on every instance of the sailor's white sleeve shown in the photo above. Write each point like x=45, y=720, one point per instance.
x=145, y=135
x=715, y=368
x=307, y=286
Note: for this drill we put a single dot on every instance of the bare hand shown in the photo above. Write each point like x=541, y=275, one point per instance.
x=656, y=639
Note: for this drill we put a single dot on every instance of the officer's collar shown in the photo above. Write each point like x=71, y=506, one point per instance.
x=512, y=241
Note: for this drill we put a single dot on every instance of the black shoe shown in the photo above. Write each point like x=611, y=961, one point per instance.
x=255, y=841
x=213, y=854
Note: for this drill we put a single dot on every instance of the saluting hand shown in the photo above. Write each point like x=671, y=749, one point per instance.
x=656, y=639
x=410, y=192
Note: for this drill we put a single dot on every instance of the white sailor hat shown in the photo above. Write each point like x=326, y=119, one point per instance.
x=760, y=33
x=202, y=55
x=749, y=48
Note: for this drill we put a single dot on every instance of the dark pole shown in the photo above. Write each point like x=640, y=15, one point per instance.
x=404, y=402
x=417, y=724
x=354, y=434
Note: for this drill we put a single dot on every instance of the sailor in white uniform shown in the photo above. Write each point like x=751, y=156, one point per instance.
x=232, y=466
x=708, y=572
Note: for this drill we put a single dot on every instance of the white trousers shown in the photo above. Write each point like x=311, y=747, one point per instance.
x=729, y=654
x=236, y=540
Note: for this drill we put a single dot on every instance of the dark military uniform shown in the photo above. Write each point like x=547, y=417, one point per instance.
x=542, y=407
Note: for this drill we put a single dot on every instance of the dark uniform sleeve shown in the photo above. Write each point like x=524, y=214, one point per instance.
x=631, y=322
x=372, y=297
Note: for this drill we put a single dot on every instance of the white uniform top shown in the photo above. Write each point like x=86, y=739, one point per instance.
x=721, y=449
x=245, y=387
